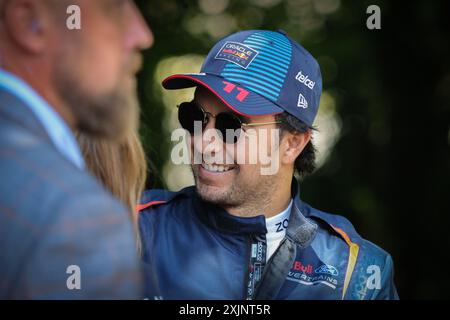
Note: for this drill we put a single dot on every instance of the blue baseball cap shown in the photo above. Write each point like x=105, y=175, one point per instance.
x=257, y=73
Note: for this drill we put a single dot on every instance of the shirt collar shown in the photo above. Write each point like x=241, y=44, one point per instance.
x=276, y=224
x=58, y=131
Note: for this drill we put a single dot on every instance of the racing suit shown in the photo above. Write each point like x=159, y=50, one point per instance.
x=196, y=250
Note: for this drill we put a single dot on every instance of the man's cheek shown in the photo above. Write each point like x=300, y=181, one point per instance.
x=195, y=143
x=269, y=153
x=244, y=151
x=103, y=76
x=103, y=61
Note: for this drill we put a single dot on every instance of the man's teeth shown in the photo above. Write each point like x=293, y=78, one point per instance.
x=216, y=168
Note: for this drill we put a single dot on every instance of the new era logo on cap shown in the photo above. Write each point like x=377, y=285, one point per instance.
x=276, y=74
x=302, y=102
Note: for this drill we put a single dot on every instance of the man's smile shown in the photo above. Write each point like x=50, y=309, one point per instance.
x=217, y=167
x=217, y=174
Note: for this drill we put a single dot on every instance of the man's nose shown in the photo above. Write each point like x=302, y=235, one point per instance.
x=139, y=34
x=211, y=140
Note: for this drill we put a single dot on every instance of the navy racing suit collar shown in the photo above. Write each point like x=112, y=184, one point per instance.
x=219, y=219
x=301, y=230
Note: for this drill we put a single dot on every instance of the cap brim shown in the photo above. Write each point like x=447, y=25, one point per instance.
x=238, y=99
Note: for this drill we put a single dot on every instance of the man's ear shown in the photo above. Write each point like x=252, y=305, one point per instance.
x=292, y=144
x=27, y=24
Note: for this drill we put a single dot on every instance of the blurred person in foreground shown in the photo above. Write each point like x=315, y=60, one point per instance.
x=62, y=235
x=242, y=232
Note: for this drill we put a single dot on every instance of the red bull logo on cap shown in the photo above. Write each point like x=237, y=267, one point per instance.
x=237, y=53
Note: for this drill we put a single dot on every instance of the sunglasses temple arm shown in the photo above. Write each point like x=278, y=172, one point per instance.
x=259, y=124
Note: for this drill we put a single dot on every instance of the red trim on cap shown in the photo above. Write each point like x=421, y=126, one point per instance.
x=141, y=207
x=182, y=76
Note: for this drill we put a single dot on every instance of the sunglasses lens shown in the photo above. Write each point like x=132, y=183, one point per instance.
x=227, y=121
x=188, y=113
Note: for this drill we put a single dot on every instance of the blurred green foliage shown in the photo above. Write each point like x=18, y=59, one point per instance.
x=389, y=169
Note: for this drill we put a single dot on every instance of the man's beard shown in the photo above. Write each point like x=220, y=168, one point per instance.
x=249, y=197
x=110, y=116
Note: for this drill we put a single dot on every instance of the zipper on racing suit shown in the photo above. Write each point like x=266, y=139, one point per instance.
x=257, y=262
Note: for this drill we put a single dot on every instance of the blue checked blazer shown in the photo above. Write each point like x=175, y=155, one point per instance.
x=52, y=216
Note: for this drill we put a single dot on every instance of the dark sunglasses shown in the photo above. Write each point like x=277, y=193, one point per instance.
x=189, y=112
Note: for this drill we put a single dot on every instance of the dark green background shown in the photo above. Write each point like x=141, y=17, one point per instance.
x=389, y=171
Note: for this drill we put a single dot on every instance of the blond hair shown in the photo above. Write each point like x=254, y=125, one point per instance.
x=120, y=166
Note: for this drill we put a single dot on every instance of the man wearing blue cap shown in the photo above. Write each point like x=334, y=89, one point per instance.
x=240, y=233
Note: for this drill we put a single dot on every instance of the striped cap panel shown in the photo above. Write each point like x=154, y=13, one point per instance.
x=266, y=74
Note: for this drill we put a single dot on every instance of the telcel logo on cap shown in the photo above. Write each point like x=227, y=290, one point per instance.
x=305, y=80
x=237, y=53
